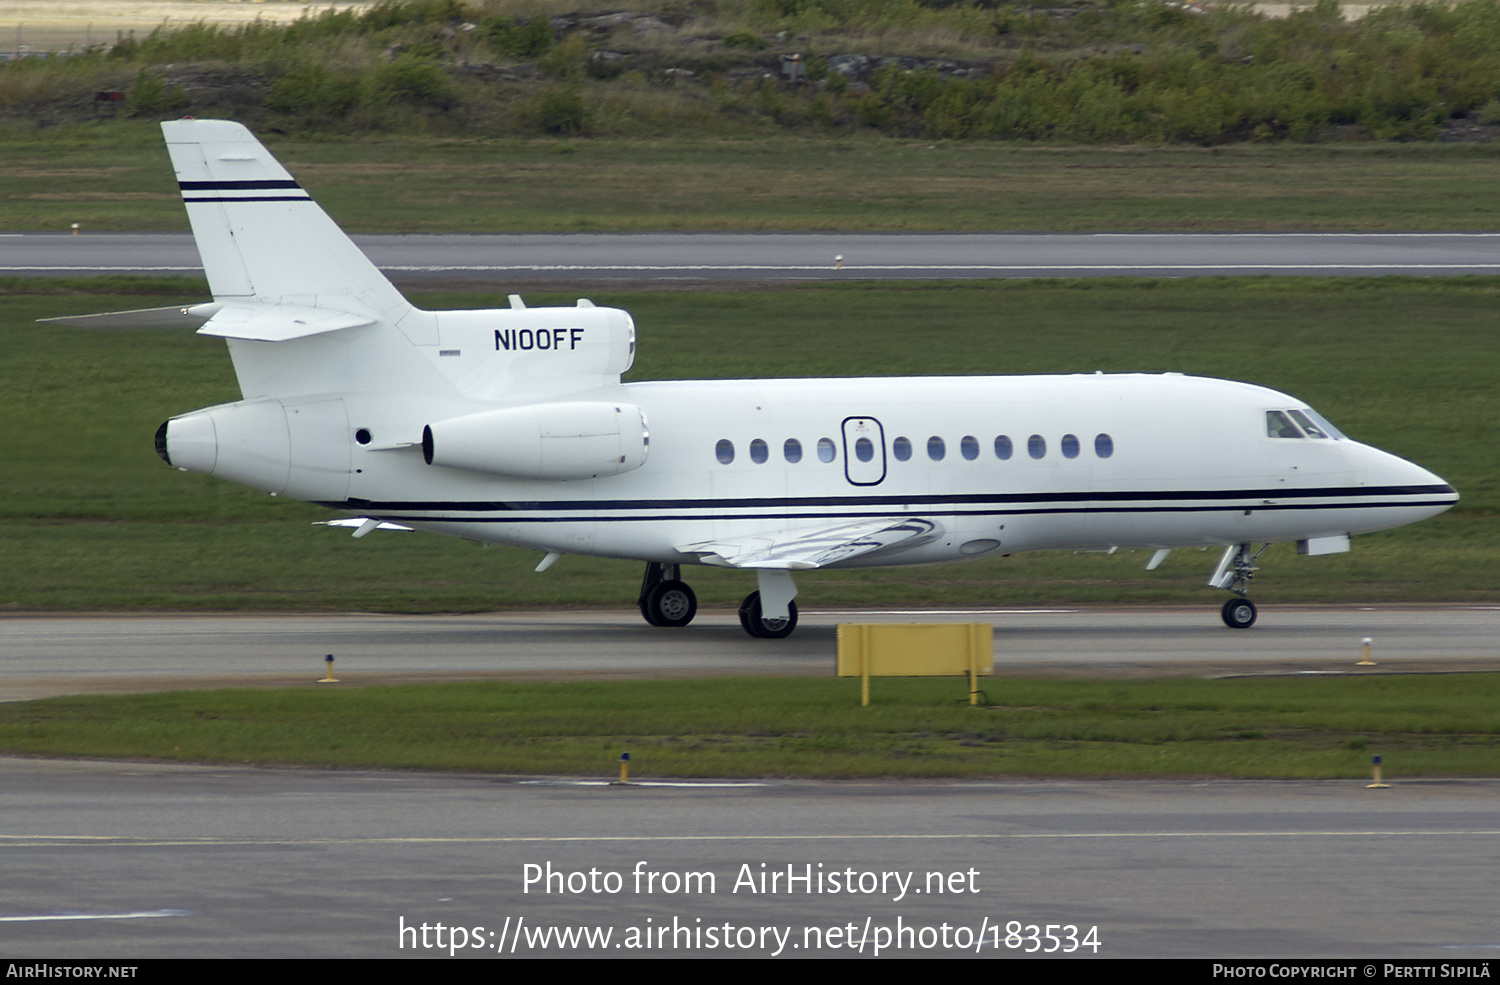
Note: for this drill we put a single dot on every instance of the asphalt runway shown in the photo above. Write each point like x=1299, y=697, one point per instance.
x=46, y=655
x=654, y=257
x=130, y=860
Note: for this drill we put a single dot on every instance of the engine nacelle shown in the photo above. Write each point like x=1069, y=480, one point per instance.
x=297, y=448
x=577, y=440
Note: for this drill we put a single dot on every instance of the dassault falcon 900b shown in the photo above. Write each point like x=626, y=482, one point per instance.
x=512, y=426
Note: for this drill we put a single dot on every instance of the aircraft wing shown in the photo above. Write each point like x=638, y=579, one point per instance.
x=799, y=548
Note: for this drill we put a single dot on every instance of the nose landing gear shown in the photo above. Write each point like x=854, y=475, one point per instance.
x=1234, y=572
x=1238, y=613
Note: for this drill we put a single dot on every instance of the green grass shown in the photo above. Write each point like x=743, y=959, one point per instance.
x=1447, y=725
x=118, y=178
x=91, y=519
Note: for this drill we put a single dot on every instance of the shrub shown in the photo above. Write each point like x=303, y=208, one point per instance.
x=560, y=109
x=313, y=91
x=150, y=95
x=515, y=40
x=412, y=79
x=745, y=39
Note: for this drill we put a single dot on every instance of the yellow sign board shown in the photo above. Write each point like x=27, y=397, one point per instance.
x=916, y=650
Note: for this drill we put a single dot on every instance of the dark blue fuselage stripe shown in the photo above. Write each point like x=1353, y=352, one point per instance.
x=255, y=185
x=258, y=198
x=936, y=503
x=574, y=517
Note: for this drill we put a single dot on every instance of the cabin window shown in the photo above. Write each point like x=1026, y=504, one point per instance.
x=792, y=450
x=969, y=446
x=1003, y=447
x=1104, y=445
x=901, y=448
x=1070, y=446
x=936, y=449
x=826, y=452
x=724, y=451
x=759, y=452
x=1036, y=446
x=864, y=449
x=1278, y=425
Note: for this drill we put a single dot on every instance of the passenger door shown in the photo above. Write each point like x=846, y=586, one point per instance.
x=864, y=451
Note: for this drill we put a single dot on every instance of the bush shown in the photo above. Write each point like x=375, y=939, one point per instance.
x=415, y=80
x=745, y=39
x=150, y=95
x=513, y=40
x=560, y=109
x=313, y=91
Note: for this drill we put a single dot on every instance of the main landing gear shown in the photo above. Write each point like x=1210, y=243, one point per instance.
x=1234, y=572
x=767, y=614
x=666, y=601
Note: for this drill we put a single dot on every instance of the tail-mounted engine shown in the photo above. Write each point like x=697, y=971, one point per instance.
x=578, y=440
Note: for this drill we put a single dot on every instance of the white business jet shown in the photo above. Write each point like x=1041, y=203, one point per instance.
x=512, y=426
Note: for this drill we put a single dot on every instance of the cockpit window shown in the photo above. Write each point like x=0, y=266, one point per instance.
x=1313, y=431
x=1304, y=423
x=1278, y=425
x=1323, y=425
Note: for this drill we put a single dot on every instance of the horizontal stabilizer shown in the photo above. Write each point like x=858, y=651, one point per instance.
x=812, y=547
x=174, y=316
x=279, y=322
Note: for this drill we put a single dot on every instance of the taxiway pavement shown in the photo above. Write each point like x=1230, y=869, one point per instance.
x=45, y=655
x=502, y=259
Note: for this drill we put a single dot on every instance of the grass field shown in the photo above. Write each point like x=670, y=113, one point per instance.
x=91, y=519
x=118, y=178
x=1293, y=728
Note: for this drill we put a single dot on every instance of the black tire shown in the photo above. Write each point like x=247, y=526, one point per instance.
x=766, y=629
x=1238, y=613
x=671, y=604
x=745, y=608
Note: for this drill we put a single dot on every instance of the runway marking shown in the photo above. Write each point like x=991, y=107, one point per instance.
x=925, y=267
x=136, y=915
x=941, y=612
x=115, y=268
x=640, y=783
x=1279, y=235
x=112, y=841
x=820, y=267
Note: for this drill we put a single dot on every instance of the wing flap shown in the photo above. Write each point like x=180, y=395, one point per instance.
x=801, y=548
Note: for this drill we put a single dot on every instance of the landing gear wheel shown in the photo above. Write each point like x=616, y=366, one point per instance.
x=670, y=603
x=762, y=628
x=1239, y=613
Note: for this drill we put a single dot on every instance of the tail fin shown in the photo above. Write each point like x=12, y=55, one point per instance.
x=260, y=235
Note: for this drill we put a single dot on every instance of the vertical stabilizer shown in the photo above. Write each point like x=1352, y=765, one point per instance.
x=260, y=235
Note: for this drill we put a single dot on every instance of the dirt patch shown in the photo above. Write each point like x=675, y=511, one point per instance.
x=56, y=25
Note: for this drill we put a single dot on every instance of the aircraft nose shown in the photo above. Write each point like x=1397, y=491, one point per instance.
x=1420, y=493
